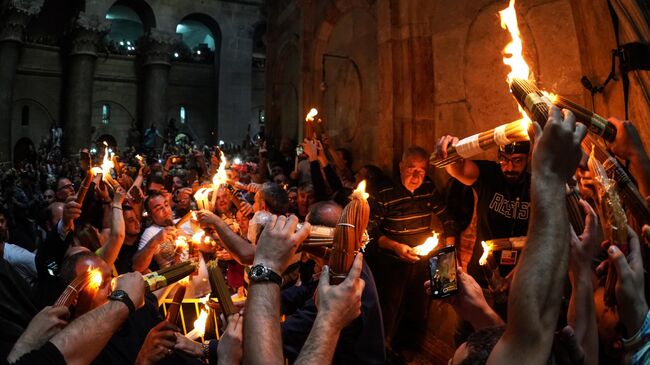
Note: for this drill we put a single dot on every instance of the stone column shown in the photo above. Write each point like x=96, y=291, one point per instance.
x=155, y=50
x=13, y=20
x=84, y=40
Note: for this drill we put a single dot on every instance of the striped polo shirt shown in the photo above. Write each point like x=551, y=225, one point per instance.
x=408, y=217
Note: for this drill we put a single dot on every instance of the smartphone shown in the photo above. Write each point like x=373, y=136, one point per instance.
x=300, y=150
x=442, y=271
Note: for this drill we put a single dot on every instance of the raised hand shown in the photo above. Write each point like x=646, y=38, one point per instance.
x=341, y=304
x=443, y=145
x=279, y=241
x=158, y=344
x=230, y=350
x=71, y=211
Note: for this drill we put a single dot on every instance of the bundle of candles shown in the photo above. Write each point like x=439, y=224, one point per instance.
x=309, y=123
x=348, y=235
x=628, y=192
x=537, y=103
x=509, y=243
x=107, y=165
x=91, y=279
x=502, y=135
x=85, y=162
x=174, y=308
x=220, y=289
x=167, y=276
x=612, y=217
x=576, y=213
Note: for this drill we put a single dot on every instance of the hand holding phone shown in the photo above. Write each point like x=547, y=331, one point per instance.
x=442, y=270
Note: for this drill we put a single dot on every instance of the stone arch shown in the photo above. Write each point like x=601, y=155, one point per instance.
x=118, y=125
x=40, y=120
x=140, y=7
x=345, y=58
x=24, y=150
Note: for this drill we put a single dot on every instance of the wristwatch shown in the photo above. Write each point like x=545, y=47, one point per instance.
x=122, y=296
x=260, y=273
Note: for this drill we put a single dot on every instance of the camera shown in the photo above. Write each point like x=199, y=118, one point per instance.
x=442, y=270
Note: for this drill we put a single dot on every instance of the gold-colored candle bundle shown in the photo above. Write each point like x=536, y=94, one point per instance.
x=628, y=192
x=85, y=161
x=612, y=217
x=91, y=278
x=348, y=235
x=220, y=289
x=174, y=308
x=159, y=279
x=502, y=135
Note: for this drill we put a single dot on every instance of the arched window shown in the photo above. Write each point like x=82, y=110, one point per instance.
x=182, y=114
x=129, y=21
x=106, y=113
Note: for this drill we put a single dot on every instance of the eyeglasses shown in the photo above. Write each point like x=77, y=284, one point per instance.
x=516, y=161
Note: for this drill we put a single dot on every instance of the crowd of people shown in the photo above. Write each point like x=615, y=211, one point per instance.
x=521, y=310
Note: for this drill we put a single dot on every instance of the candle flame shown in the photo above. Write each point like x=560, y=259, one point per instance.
x=181, y=242
x=487, y=248
x=551, y=96
x=310, y=116
x=199, y=324
x=201, y=197
x=107, y=164
x=360, y=191
x=96, y=170
x=95, y=278
x=197, y=237
x=221, y=177
x=513, y=52
x=428, y=245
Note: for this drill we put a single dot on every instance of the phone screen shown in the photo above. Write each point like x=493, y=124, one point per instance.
x=442, y=267
x=299, y=150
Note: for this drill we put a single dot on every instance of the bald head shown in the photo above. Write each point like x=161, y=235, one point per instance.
x=325, y=213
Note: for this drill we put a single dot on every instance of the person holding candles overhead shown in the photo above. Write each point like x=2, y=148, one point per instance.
x=401, y=219
x=503, y=198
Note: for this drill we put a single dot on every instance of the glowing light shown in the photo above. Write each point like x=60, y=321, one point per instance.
x=310, y=116
x=197, y=237
x=551, y=96
x=236, y=161
x=201, y=197
x=199, y=325
x=514, y=50
x=487, y=248
x=221, y=177
x=360, y=191
x=176, y=54
x=96, y=170
x=428, y=245
x=95, y=280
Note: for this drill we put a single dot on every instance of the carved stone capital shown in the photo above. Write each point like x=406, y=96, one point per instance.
x=87, y=34
x=15, y=17
x=156, y=47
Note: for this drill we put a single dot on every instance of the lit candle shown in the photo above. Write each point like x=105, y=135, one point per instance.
x=428, y=245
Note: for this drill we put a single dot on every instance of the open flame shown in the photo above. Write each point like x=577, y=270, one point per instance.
x=201, y=197
x=428, y=245
x=221, y=177
x=310, y=116
x=360, y=191
x=96, y=170
x=95, y=279
x=513, y=52
x=197, y=237
x=487, y=248
x=199, y=324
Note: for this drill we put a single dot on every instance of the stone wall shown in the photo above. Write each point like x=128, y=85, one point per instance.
x=219, y=98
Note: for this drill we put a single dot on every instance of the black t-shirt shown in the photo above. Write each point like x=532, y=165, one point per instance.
x=502, y=211
x=124, y=261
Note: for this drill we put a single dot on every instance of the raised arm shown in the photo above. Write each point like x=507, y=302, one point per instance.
x=465, y=171
x=536, y=292
x=240, y=249
x=338, y=306
x=277, y=245
x=111, y=249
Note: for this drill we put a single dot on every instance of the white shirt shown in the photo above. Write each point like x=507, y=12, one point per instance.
x=23, y=261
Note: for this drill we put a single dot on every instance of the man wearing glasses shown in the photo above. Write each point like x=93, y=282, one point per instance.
x=503, y=200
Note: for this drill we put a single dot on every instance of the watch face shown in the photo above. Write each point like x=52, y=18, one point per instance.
x=258, y=272
x=118, y=294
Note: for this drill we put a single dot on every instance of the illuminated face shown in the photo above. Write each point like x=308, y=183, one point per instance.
x=293, y=200
x=131, y=223
x=178, y=182
x=242, y=221
x=513, y=166
x=305, y=199
x=412, y=171
x=184, y=201
x=91, y=297
x=160, y=211
x=49, y=196
x=223, y=201
x=64, y=189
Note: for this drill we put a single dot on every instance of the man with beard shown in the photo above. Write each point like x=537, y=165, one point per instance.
x=503, y=198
